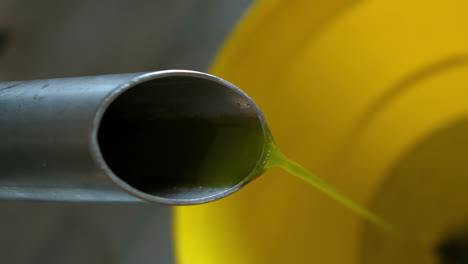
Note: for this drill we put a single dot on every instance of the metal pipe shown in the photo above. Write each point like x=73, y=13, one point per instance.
x=172, y=137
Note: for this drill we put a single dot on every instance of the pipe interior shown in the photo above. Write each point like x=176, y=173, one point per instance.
x=181, y=137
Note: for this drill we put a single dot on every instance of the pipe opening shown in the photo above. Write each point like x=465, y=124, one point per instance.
x=181, y=137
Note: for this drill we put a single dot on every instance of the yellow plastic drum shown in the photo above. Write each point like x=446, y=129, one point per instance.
x=372, y=96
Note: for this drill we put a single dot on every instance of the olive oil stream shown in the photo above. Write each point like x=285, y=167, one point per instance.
x=278, y=159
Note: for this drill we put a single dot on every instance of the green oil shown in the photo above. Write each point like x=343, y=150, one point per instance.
x=199, y=141
x=278, y=159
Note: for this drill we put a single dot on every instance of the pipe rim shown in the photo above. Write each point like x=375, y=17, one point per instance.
x=144, y=77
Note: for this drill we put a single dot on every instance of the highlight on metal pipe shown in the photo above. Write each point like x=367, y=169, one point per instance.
x=172, y=137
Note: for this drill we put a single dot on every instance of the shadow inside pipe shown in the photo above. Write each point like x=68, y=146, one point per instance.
x=181, y=137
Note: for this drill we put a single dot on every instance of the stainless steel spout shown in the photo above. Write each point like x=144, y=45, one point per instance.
x=172, y=137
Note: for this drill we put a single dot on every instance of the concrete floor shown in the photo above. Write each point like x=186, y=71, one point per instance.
x=53, y=38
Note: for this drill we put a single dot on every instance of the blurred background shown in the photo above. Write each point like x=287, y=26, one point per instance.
x=369, y=95
x=53, y=38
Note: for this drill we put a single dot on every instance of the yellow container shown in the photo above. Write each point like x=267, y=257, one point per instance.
x=371, y=96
